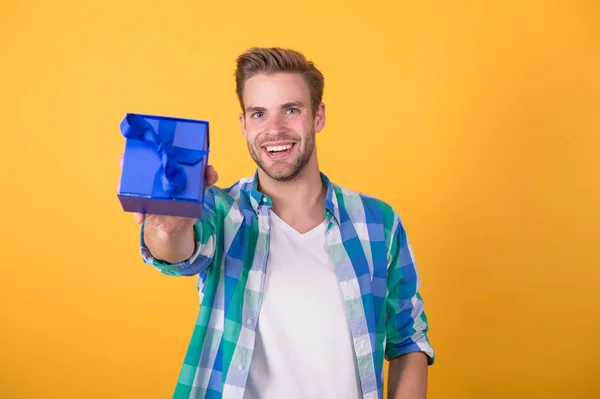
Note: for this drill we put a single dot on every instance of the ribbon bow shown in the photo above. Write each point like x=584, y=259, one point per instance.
x=170, y=177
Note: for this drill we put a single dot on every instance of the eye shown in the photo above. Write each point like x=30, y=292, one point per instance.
x=257, y=115
x=293, y=111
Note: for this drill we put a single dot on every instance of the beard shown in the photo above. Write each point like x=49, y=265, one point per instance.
x=284, y=171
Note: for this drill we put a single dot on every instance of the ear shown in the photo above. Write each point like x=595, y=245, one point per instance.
x=319, y=119
x=243, y=125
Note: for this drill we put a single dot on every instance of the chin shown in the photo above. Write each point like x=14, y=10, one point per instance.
x=282, y=173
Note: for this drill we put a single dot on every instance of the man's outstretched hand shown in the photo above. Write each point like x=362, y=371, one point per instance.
x=171, y=238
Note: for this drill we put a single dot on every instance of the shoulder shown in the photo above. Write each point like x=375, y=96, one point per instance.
x=360, y=207
x=371, y=217
x=232, y=195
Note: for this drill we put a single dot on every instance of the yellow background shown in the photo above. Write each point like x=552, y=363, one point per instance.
x=477, y=120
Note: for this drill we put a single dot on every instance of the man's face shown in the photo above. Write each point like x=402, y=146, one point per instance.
x=279, y=125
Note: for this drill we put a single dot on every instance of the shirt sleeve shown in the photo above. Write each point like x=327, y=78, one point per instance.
x=406, y=322
x=205, y=236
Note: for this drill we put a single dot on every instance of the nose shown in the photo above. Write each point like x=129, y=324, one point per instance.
x=276, y=123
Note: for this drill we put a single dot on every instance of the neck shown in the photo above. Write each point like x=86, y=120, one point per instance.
x=301, y=201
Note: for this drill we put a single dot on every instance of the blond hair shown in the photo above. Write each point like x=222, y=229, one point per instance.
x=273, y=60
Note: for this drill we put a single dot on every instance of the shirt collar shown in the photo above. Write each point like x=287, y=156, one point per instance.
x=258, y=199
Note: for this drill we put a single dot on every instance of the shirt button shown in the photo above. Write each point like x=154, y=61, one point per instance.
x=264, y=199
x=240, y=367
x=249, y=321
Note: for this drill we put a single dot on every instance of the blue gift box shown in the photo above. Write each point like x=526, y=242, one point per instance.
x=164, y=165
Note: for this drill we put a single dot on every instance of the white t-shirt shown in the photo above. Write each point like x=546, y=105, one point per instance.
x=303, y=346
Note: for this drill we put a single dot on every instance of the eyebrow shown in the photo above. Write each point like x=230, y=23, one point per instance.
x=295, y=104
x=255, y=109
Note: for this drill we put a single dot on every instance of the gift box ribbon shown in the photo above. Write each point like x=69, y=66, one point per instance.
x=170, y=177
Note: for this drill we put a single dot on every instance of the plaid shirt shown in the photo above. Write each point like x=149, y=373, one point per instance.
x=374, y=265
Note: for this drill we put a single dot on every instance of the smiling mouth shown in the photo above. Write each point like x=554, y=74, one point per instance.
x=278, y=151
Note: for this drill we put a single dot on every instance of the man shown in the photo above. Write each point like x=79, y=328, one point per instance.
x=305, y=286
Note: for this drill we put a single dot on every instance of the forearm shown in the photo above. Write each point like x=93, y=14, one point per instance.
x=172, y=246
x=408, y=377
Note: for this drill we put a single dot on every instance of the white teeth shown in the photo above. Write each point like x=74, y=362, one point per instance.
x=278, y=148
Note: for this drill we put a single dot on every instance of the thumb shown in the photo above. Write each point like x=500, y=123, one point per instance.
x=139, y=217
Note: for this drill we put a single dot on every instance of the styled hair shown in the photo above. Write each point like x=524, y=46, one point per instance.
x=273, y=60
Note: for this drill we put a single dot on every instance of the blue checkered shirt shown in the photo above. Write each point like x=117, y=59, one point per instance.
x=374, y=264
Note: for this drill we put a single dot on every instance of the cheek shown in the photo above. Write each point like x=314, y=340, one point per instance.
x=253, y=129
x=297, y=125
x=251, y=133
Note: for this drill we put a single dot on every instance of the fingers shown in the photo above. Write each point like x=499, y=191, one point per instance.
x=211, y=176
x=139, y=217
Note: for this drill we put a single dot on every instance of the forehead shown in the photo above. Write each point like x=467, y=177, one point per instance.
x=275, y=89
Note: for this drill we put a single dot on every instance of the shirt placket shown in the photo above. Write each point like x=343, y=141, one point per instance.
x=351, y=293
x=253, y=293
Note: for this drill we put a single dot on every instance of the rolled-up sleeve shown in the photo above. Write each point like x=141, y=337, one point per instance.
x=204, y=250
x=406, y=321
